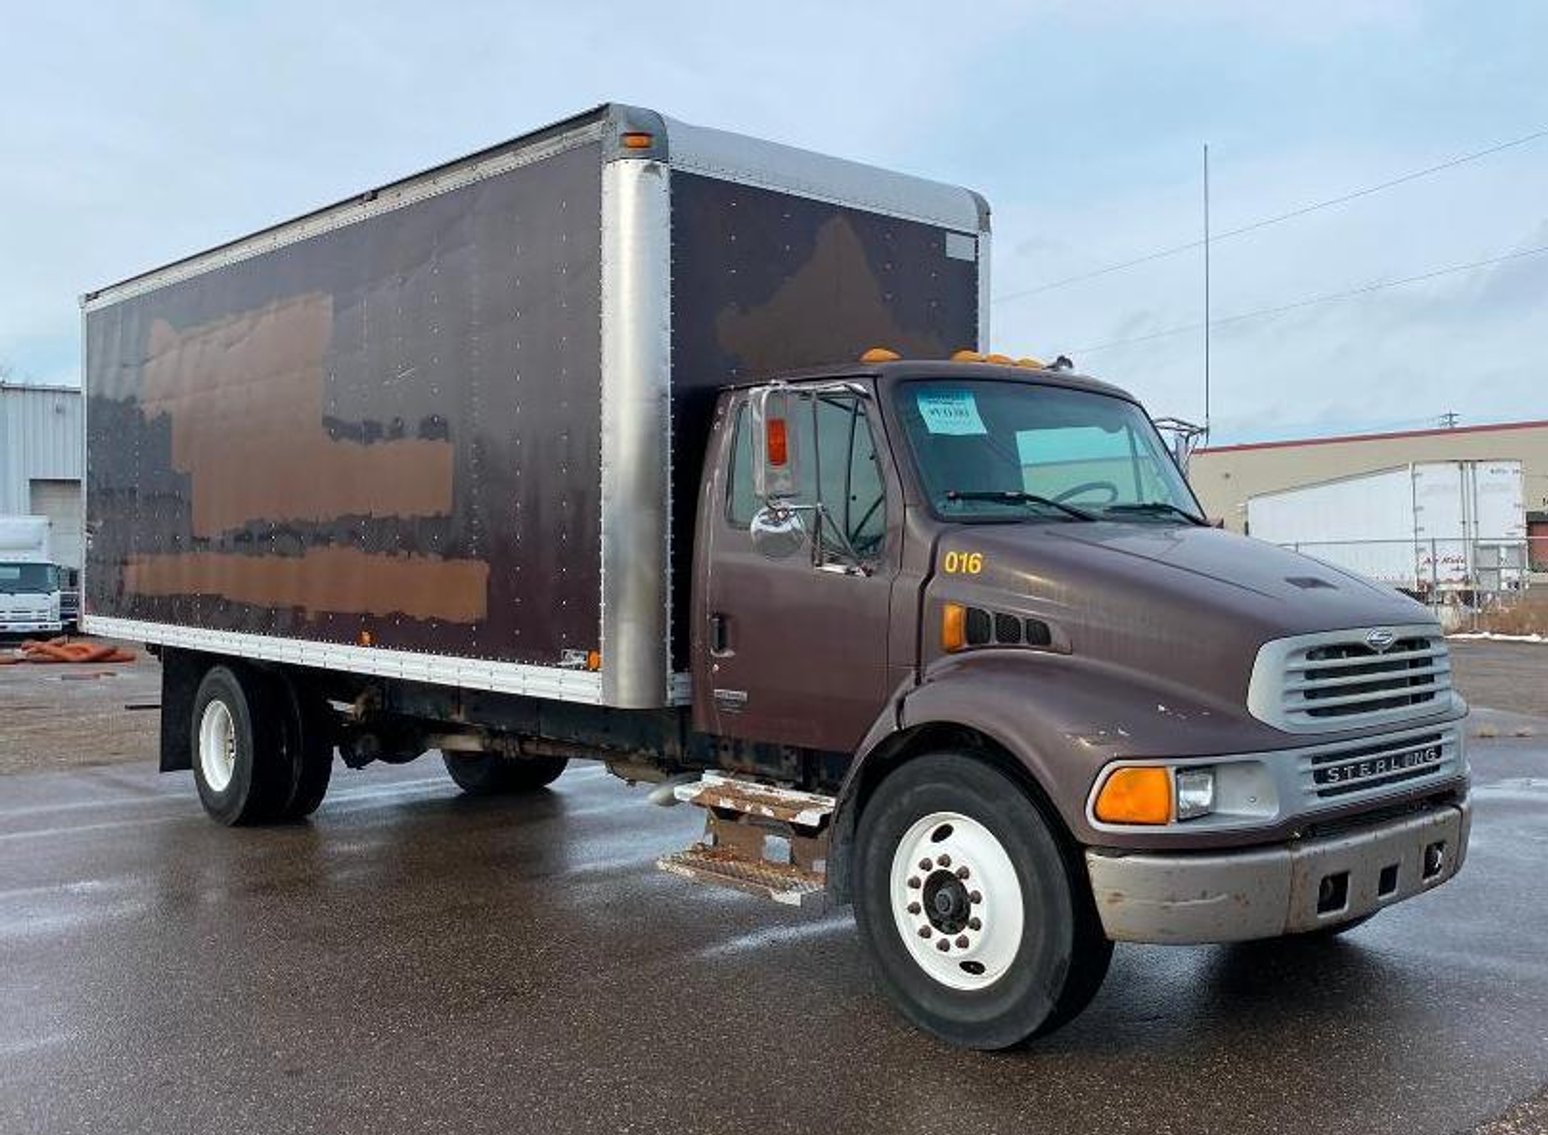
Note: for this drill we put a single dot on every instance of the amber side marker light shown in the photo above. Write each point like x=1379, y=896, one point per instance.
x=777, y=442
x=637, y=140
x=594, y=660
x=1136, y=796
x=953, y=627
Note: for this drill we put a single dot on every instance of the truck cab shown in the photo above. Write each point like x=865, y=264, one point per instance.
x=1064, y=708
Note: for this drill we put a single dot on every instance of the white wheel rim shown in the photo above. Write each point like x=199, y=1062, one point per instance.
x=954, y=883
x=217, y=745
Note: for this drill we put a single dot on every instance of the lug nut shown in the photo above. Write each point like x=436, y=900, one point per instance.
x=925, y=864
x=962, y=941
x=913, y=908
x=962, y=872
x=913, y=884
x=975, y=924
x=975, y=897
x=924, y=931
x=945, y=861
x=942, y=945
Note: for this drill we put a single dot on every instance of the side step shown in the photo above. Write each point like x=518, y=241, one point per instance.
x=758, y=838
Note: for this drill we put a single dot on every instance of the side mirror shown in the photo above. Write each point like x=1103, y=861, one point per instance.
x=777, y=532
x=774, y=456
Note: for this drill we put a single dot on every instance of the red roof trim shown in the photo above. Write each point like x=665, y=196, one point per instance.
x=1373, y=437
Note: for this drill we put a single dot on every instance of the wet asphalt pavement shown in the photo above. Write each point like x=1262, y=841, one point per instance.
x=415, y=961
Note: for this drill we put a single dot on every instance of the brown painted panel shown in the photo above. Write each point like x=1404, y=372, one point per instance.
x=389, y=428
x=764, y=282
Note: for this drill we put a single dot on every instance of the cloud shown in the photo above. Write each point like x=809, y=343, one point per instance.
x=150, y=133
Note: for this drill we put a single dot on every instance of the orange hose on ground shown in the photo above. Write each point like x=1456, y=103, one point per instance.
x=62, y=650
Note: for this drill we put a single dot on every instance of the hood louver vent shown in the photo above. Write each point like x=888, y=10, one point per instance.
x=983, y=628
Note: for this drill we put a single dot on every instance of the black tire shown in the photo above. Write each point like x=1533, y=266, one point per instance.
x=309, y=738
x=487, y=774
x=259, y=779
x=1062, y=955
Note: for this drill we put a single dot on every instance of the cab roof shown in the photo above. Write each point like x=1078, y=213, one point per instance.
x=904, y=369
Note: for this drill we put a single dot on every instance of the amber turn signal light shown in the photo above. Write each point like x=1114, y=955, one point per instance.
x=953, y=627
x=1136, y=796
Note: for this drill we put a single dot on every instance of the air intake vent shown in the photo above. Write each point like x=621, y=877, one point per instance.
x=986, y=628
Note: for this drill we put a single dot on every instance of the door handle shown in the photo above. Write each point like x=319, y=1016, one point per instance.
x=718, y=634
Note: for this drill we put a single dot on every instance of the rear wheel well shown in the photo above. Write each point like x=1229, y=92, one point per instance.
x=906, y=745
x=183, y=670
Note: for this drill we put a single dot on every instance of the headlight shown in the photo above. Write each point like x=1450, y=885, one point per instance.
x=1195, y=792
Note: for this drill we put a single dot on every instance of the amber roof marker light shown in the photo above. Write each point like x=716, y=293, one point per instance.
x=880, y=355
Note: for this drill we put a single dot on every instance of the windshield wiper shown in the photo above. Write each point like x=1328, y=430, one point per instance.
x=1016, y=496
x=1158, y=508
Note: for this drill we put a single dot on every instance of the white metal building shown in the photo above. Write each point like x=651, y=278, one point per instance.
x=42, y=461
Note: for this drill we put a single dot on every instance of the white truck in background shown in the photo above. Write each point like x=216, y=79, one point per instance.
x=29, y=580
x=1429, y=528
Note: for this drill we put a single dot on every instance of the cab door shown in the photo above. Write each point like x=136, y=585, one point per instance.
x=793, y=651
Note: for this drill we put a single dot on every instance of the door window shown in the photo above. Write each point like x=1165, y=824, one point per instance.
x=841, y=474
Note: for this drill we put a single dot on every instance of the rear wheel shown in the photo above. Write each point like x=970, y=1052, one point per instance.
x=487, y=774
x=309, y=738
x=973, y=905
x=238, y=749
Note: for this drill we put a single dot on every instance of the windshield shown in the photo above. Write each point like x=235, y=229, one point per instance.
x=24, y=579
x=991, y=450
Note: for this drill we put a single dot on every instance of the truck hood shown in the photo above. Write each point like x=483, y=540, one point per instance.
x=1190, y=604
x=1308, y=594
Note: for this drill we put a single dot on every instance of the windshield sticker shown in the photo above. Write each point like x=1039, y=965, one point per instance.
x=953, y=412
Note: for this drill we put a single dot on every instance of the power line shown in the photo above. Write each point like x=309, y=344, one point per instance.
x=1342, y=199
x=1281, y=309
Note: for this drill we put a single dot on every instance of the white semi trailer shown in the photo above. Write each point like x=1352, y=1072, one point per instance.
x=1429, y=527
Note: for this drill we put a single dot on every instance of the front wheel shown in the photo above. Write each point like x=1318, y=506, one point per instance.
x=973, y=905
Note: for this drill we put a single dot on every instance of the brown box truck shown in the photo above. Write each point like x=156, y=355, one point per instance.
x=579, y=448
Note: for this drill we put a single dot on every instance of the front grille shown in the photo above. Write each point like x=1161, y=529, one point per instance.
x=1348, y=679
x=1370, y=766
x=1339, y=680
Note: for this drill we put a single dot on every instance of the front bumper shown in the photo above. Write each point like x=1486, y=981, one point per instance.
x=8, y=626
x=1291, y=888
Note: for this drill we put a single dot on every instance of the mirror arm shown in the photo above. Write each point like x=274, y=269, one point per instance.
x=847, y=546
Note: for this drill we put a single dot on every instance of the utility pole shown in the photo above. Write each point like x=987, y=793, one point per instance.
x=1206, y=291
x=1448, y=420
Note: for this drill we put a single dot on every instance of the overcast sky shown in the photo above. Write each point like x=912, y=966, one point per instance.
x=135, y=137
